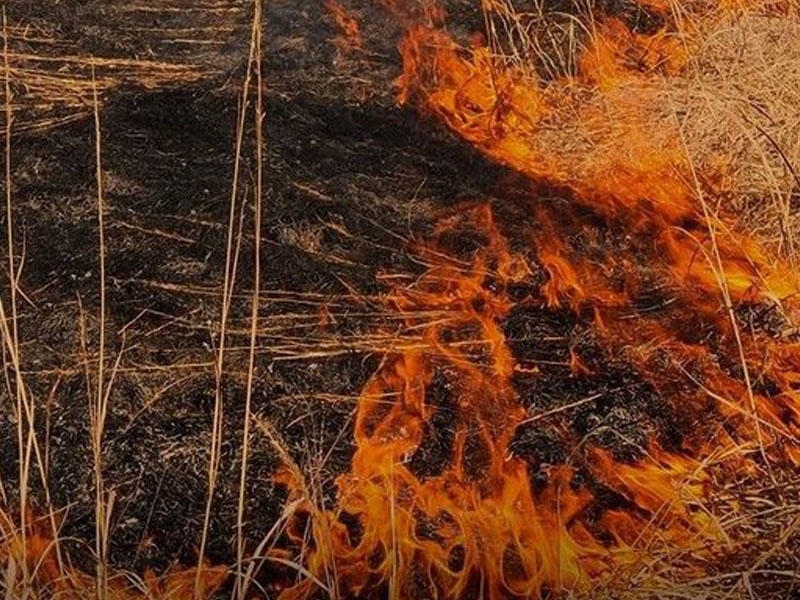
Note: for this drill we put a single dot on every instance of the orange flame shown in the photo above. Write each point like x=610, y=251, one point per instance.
x=479, y=522
x=646, y=224
x=37, y=551
x=347, y=25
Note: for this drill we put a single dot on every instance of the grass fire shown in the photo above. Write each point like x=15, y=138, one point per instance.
x=453, y=299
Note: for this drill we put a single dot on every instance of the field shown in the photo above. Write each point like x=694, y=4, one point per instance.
x=400, y=299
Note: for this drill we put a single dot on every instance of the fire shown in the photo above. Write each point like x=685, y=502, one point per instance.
x=640, y=222
x=347, y=25
x=34, y=557
x=478, y=526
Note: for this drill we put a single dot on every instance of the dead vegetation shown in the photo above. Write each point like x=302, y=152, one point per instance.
x=218, y=332
x=52, y=72
x=734, y=103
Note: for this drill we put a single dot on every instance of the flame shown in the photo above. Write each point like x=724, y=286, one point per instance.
x=349, y=30
x=37, y=551
x=479, y=522
x=637, y=219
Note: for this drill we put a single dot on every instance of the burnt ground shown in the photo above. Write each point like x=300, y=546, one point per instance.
x=351, y=180
x=348, y=183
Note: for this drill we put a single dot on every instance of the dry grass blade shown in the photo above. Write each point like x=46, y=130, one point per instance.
x=258, y=192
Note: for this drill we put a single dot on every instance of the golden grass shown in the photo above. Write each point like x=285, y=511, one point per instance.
x=736, y=103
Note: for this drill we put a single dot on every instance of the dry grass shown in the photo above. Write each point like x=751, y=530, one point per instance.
x=737, y=110
x=736, y=104
x=741, y=99
x=733, y=109
x=60, y=89
x=54, y=78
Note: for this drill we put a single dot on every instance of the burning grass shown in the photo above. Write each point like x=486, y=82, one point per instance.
x=720, y=81
x=34, y=569
x=585, y=376
x=672, y=195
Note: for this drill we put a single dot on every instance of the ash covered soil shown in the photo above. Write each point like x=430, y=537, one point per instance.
x=348, y=183
x=351, y=181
